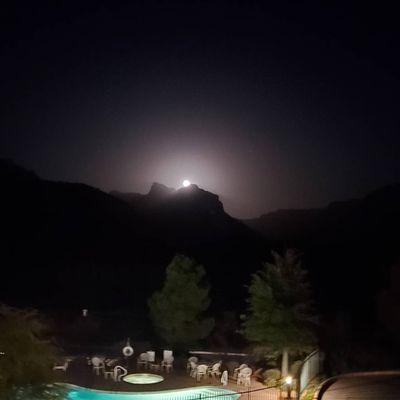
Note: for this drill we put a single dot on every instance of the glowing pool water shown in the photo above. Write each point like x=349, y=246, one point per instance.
x=195, y=393
x=143, y=379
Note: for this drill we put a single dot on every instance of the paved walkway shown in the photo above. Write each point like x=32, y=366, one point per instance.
x=364, y=388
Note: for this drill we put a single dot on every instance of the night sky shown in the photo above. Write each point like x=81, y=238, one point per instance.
x=294, y=104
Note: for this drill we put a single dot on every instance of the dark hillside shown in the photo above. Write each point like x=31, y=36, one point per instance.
x=73, y=245
x=348, y=245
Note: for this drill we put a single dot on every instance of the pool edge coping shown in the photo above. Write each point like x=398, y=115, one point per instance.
x=144, y=393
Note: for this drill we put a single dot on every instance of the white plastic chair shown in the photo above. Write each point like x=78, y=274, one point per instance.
x=168, y=363
x=215, y=370
x=119, y=372
x=238, y=369
x=109, y=363
x=244, y=377
x=151, y=356
x=190, y=362
x=142, y=360
x=167, y=354
x=98, y=364
x=201, y=371
x=193, y=368
x=62, y=367
x=224, y=378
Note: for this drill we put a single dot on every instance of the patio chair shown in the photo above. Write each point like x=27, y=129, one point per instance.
x=191, y=360
x=119, y=372
x=62, y=367
x=224, y=378
x=215, y=370
x=167, y=354
x=193, y=368
x=201, y=371
x=151, y=356
x=110, y=362
x=143, y=359
x=238, y=369
x=168, y=363
x=98, y=364
x=244, y=377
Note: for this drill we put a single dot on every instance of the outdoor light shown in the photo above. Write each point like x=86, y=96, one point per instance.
x=288, y=380
x=186, y=183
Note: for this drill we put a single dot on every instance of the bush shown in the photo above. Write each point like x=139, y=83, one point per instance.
x=28, y=358
x=272, y=377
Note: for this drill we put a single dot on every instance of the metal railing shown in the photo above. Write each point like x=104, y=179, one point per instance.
x=265, y=393
x=311, y=367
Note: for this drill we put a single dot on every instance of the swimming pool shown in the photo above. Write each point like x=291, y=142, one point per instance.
x=195, y=393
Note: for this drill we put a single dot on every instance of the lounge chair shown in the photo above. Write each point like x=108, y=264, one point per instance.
x=62, y=367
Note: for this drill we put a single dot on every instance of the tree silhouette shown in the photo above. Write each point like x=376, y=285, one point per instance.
x=26, y=358
x=177, y=310
x=280, y=316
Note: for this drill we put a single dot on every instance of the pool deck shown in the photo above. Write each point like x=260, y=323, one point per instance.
x=81, y=374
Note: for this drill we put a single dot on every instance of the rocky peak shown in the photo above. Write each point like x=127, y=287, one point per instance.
x=160, y=191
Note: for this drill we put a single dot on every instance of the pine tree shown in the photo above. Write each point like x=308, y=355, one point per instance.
x=281, y=317
x=177, y=310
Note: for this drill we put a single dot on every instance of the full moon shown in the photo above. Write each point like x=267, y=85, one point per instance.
x=186, y=183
